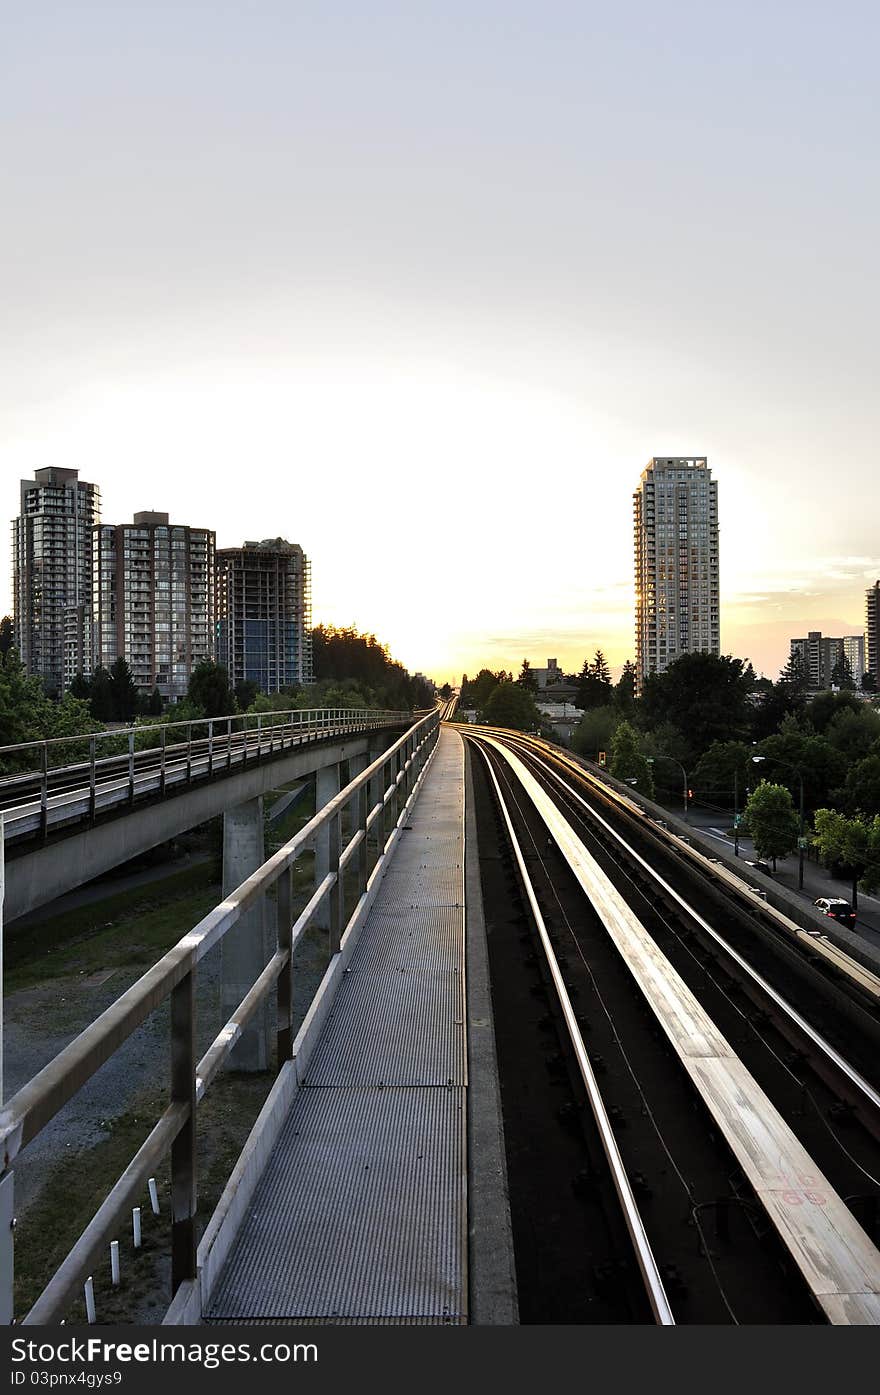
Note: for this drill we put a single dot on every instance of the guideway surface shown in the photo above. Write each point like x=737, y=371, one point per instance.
x=361, y=1213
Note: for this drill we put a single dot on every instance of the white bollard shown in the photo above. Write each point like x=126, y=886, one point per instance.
x=114, y=1262
x=90, y=1300
x=136, y=1226
x=154, y=1196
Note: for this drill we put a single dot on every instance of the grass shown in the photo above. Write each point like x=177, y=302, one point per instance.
x=78, y=1184
x=130, y=928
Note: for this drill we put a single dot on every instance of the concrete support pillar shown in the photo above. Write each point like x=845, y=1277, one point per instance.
x=359, y=808
x=245, y=949
x=326, y=788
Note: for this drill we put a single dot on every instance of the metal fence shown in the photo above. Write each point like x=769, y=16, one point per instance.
x=206, y=747
x=377, y=802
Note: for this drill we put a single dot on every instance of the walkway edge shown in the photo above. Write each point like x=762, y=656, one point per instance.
x=492, y=1298
x=222, y=1228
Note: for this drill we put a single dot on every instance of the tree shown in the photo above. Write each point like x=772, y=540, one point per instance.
x=601, y=671
x=851, y=844
x=526, y=678
x=627, y=761
x=123, y=691
x=446, y=692
x=721, y=771
x=826, y=706
x=477, y=691
x=101, y=699
x=245, y=692
x=209, y=689
x=625, y=691
x=594, y=683
x=794, y=677
x=854, y=732
x=796, y=749
x=511, y=706
x=7, y=635
x=154, y=704
x=80, y=687
x=595, y=731
x=706, y=696
x=772, y=821
x=869, y=682
x=862, y=791
x=841, y=674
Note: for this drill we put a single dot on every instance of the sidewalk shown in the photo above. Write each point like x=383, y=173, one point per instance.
x=817, y=880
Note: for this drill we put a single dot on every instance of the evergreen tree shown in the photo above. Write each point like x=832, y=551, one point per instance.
x=794, y=677
x=80, y=686
x=526, y=678
x=209, y=689
x=625, y=691
x=101, y=695
x=123, y=692
x=6, y=635
x=841, y=674
x=600, y=670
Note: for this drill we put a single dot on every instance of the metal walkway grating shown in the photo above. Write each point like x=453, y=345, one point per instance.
x=361, y=1213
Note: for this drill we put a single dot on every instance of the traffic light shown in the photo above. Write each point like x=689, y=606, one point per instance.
x=601, y=757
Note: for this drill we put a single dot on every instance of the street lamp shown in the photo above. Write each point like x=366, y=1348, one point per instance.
x=801, y=840
x=650, y=760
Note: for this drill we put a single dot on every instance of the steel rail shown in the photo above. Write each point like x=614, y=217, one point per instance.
x=645, y=1259
x=857, y=1080
x=838, y=1261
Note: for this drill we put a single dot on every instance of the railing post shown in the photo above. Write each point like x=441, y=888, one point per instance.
x=228, y=743
x=44, y=794
x=210, y=747
x=183, y=1149
x=189, y=752
x=361, y=811
x=259, y=736
x=327, y=784
x=335, y=897
x=284, y=1011
x=92, y=753
x=162, y=763
x=131, y=766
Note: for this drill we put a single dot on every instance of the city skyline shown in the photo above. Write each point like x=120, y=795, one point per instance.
x=346, y=289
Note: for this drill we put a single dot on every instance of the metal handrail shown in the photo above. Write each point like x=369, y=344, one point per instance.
x=390, y=779
x=330, y=716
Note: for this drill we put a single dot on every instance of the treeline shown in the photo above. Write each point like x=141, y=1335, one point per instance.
x=710, y=731
x=351, y=669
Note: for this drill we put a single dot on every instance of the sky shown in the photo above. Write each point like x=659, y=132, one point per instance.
x=424, y=286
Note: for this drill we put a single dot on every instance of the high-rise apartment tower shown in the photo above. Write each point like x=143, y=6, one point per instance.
x=872, y=632
x=675, y=527
x=264, y=614
x=154, y=600
x=52, y=575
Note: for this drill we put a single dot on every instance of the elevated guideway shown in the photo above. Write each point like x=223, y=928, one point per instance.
x=76, y=816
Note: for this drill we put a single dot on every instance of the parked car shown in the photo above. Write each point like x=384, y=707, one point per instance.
x=837, y=908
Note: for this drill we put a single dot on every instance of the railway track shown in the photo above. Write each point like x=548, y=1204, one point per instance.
x=727, y=1146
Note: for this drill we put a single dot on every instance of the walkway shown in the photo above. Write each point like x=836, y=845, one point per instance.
x=361, y=1213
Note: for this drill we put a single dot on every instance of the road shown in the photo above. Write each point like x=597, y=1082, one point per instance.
x=817, y=880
